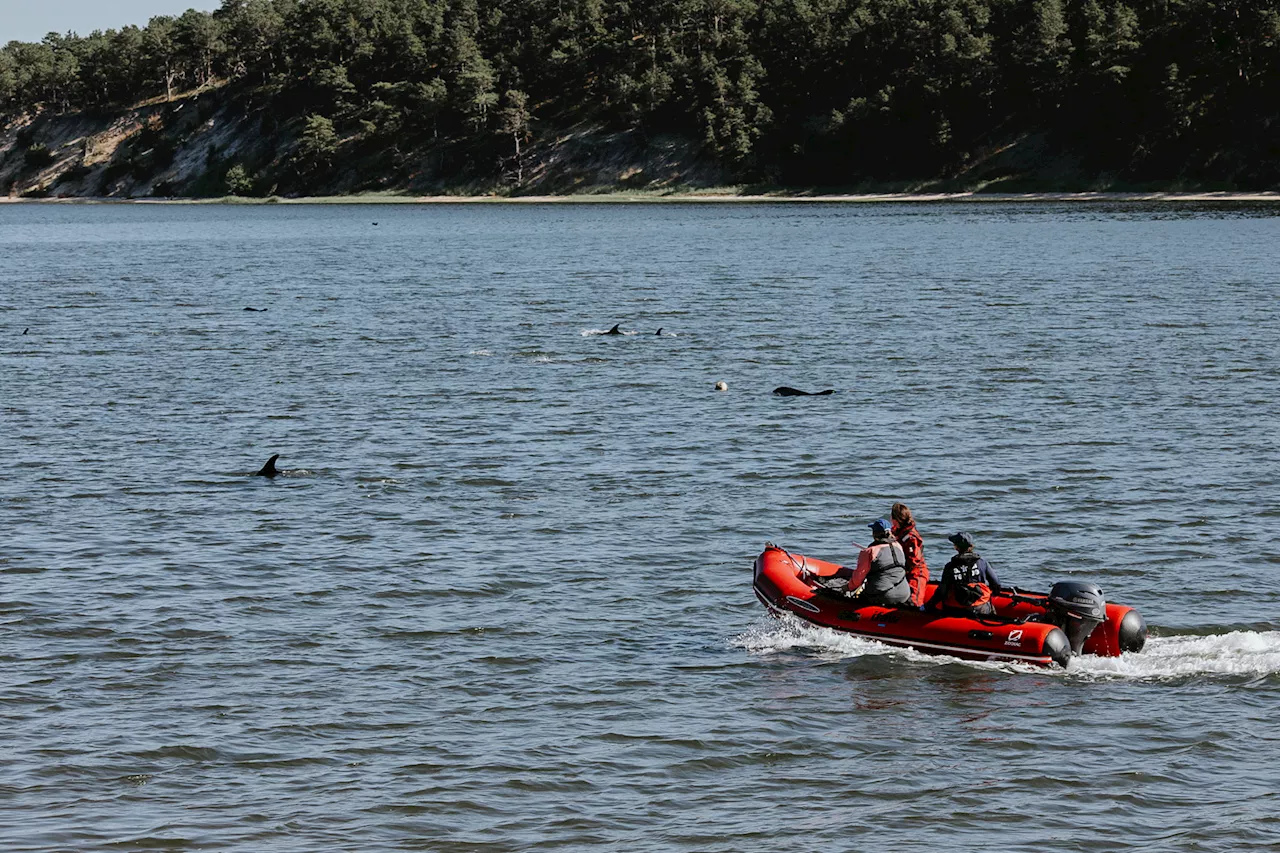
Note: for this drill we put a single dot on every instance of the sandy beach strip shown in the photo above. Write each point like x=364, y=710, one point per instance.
x=711, y=197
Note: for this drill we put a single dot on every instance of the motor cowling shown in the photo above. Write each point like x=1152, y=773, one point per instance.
x=1077, y=608
x=1133, y=632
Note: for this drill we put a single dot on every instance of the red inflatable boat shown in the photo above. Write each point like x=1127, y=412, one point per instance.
x=1034, y=628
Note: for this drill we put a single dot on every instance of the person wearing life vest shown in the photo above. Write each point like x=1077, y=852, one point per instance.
x=967, y=581
x=904, y=530
x=882, y=569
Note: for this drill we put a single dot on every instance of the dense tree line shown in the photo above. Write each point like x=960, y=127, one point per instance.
x=793, y=91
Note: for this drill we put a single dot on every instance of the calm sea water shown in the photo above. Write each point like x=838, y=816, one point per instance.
x=502, y=602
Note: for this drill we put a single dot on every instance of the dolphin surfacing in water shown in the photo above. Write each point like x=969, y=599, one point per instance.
x=269, y=470
x=615, y=330
x=784, y=391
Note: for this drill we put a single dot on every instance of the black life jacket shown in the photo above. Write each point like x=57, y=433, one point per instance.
x=966, y=588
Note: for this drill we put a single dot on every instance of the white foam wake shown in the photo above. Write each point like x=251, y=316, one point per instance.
x=772, y=636
x=788, y=634
x=1239, y=653
x=1250, y=654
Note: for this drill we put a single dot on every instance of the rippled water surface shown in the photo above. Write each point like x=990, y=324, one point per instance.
x=501, y=598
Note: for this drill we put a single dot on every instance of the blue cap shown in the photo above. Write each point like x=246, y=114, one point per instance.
x=962, y=540
x=880, y=526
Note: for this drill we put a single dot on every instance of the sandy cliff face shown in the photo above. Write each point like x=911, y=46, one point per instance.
x=225, y=141
x=220, y=142
x=155, y=148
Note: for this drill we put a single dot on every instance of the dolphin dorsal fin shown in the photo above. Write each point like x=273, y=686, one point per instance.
x=269, y=470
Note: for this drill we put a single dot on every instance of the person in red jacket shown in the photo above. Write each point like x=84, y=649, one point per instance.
x=904, y=530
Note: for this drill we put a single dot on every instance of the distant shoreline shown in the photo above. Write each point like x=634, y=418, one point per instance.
x=709, y=197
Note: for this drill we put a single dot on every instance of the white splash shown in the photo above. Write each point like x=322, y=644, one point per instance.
x=788, y=634
x=480, y=352
x=1238, y=653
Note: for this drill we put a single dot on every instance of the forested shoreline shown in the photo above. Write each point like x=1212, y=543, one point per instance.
x=347, y=95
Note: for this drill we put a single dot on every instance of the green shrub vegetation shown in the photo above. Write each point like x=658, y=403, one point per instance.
x=238, y=181
x=787, y=92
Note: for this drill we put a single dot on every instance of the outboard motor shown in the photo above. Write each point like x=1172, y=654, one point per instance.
x=1077, y=608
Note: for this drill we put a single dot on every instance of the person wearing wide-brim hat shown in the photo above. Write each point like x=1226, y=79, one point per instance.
x=967, y=581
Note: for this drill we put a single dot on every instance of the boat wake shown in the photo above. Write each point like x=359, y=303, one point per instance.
x=1252, y=654
x=1240, y=654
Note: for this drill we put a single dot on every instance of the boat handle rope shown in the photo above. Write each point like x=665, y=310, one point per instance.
x=788, y=553
x=803, y=565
